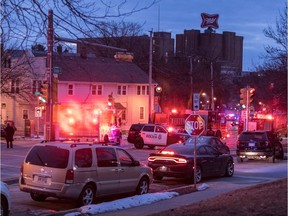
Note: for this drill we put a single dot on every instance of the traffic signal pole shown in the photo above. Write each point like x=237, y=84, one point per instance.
x=247, y=108
x=49, y=105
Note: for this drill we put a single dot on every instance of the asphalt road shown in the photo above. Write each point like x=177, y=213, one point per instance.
x=246, y=174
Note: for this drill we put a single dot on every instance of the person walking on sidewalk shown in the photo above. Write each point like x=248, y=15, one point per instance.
x=9, y=135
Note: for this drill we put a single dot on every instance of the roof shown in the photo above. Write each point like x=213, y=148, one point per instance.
x=96, y=69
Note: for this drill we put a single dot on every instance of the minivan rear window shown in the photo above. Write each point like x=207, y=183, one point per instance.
x=49, y=156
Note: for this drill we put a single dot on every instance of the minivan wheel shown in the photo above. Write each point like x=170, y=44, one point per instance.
x=38, y=197
x=139, y=144
x=87, y=196
x=143, y=186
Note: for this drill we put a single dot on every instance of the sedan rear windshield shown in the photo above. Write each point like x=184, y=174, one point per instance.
x=180, y=149
x=252, y=136
x=49, y=156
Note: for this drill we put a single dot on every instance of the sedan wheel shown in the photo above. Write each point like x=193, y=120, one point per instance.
x=198, y=174
x=229, y=169
x=87, y=195
x=143, y=186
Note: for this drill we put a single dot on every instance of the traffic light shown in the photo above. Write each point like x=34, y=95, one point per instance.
x=246, y=95
x=243, y=96
x=250, y=94
x=44, y=92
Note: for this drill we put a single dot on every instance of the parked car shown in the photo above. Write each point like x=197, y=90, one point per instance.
x=3, y=133
x=213, y=141
x=81, y=171
x=259, y=145
x=177, y=160
x=156, y=135
x=5, y=199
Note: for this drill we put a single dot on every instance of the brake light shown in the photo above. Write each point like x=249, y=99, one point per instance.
x=161, y=158
x=151, y=159
x=167, y=152
x=69, y=176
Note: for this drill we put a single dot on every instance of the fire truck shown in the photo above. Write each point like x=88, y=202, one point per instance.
x=85, y=123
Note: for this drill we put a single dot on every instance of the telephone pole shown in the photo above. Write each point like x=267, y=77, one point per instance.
x=49, y=136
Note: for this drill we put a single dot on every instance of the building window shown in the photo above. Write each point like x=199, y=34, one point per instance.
x=25, y=114
x=99, y=89
x=94, y=89
x=141, y=113
x=70, y=89
x=122, y=90
x=142, y=90
x=15, y=86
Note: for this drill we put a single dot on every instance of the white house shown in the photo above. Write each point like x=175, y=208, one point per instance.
x=85, y=83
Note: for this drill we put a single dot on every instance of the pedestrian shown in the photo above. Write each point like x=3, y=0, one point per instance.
x=9, y=135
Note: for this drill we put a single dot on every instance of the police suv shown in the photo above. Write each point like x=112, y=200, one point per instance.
x=157, y=135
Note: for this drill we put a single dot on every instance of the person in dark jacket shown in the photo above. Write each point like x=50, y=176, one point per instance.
x=9, y=135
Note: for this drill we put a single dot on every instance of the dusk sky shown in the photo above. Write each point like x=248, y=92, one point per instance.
x=247, y=18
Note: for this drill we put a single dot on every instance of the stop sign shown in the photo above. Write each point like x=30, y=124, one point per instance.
x=194, y=125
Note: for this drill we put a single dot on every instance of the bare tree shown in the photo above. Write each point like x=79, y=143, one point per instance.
x=276, y=56
x=25, y=21
x=274, y=68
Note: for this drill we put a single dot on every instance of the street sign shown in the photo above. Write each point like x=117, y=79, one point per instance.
x=195, y=125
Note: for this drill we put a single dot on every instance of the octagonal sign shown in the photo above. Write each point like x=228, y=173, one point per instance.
x=195, y=125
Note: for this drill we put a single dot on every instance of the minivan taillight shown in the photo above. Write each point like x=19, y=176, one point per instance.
x=69, y=176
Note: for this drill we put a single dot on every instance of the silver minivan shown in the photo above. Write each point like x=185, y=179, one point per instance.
x=81, y=171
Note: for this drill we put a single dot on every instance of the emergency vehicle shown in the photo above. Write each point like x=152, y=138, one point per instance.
x=82, y=123
x=154, y=135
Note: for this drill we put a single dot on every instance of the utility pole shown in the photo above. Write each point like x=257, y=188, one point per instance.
x=150, y=78
x=212, y=87
x=190, y=103
x=49, y=105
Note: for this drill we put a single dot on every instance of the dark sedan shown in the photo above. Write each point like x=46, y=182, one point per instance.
x=177, y=160
x=213, y=141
